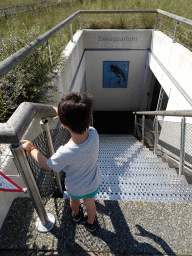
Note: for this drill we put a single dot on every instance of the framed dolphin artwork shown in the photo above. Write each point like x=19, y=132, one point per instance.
x=115, y=74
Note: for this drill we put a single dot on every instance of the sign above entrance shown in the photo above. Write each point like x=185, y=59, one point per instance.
x=117, y=39
x=6, y=184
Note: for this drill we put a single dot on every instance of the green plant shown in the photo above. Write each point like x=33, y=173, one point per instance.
x=29, y=80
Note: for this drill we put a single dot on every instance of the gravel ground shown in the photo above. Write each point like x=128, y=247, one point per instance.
x=4, y=151
x=4, y=148
x=125, y=228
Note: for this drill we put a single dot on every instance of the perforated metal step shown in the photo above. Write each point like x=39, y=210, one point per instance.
x=163, y=196
x=129, y=159
x=111, y=163
x=132, y=172
x=135, y=170
x=153, y=178
x=146, y=155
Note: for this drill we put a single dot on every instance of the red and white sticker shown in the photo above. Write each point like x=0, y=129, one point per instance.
x=6, y=184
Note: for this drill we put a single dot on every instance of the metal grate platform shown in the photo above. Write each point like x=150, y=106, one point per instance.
x=131, y=172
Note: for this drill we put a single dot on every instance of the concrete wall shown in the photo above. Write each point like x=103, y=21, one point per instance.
x=116, y=45
x=171, y=63
x=71, y=74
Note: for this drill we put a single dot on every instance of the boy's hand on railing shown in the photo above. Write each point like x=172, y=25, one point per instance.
x=27, y=145
x=34, y=152
x=56, y=110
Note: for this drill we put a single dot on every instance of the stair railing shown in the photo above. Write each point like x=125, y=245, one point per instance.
x=12, y=132
x=12, y=61
x=183, y=114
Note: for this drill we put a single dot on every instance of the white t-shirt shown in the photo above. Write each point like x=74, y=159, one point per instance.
x=79, y=162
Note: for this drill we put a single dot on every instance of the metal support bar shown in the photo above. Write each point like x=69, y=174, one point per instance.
x=156, y=136
x=143, y=129
x=71, y=31
x=45, y=128
x=182, y=147
x=175, y=31
x=135, y=126
x=92, y=121
x=49, y=51
x=45, y=222
x=156, y=21
x=79, y=22
x=180, y=113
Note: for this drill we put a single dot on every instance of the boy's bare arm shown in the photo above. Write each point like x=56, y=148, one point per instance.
x=56, y=110
x=34, y=152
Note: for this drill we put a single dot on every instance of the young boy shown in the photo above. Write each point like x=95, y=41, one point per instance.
x=77, y=158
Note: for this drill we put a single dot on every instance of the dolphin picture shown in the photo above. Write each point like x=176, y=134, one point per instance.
x=117, y=71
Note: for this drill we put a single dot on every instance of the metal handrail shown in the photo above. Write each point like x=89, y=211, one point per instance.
x=118, y=11
x=9, y=63
x=181, y=113
x=175, y=113
x=175, y=17
x=13, y=130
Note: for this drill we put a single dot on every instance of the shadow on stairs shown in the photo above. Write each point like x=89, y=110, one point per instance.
x=125, y=228
x=141, y=209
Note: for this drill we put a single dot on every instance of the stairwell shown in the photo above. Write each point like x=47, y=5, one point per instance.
x=132, y=172
x=143, y=208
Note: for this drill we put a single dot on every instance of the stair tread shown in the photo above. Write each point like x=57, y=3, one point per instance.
x=140, y=171
x=131, y=171
x=171, y=179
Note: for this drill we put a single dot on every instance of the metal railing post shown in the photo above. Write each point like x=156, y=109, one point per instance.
x=182, y=147
x=156, y=21
x=79, y=22
x=46, y=221
x=49, y=51
x=135, y=126
x=156, y=135
x=45, y=128
x=175, y=31
x=71, y=31
x=143, y=129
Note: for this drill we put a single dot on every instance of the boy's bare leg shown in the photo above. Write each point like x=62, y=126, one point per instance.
x=74, y=205
x=91, y=209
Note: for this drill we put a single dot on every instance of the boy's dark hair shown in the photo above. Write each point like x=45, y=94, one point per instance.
x=75, y=111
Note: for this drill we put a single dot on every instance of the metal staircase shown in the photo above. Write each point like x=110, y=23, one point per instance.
x=132, y=172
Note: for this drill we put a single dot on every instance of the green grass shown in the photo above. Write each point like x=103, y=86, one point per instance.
x=6, y=3
x=18, y=30
x=47, y=18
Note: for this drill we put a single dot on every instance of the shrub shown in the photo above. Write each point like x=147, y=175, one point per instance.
x=28, y=81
